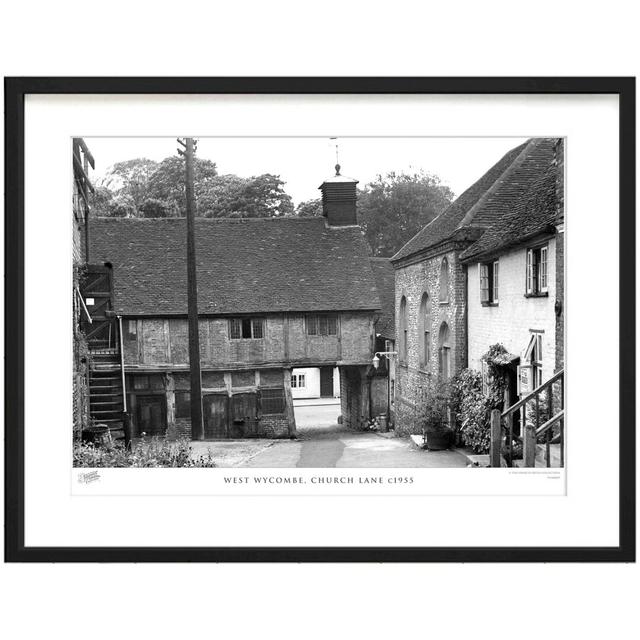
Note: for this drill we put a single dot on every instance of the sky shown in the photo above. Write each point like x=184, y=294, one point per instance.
x=303, y=163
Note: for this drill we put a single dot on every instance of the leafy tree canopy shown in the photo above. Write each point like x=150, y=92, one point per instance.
x=256, y=197
x=310, y=208
x=394, y=207
x=149, y=189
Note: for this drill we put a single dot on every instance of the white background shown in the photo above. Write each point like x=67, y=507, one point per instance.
x=332, y=39
x=53, y=517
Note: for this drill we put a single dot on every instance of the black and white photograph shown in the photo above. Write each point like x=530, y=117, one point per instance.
x=320, y=302
x=362, y=316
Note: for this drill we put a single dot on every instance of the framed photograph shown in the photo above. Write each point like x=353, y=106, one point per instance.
x=320, y=319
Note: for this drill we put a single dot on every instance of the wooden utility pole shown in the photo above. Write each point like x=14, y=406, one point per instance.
x=197, y=423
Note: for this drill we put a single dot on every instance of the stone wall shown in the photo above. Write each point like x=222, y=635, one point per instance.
x=412, y=376
x=354, y=397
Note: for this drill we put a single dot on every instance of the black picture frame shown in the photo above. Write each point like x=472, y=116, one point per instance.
x=15, y=91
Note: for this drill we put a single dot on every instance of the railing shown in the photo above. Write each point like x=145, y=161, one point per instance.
x=502, y=426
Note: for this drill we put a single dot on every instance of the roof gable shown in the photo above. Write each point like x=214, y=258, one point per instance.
x=244, y=265
x=488, y=199
x=533, y=214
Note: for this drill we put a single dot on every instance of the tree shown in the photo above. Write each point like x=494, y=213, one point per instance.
x=233, y=196
x=122, y=206
x=154, y=208
x=131, y=177
x=309, y=208
x=167, y=182
x=394, y=207
x=99, y=202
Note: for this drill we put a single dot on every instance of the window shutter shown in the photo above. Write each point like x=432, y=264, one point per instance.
x=529, y=271
x=495, y=281
x=484, y=283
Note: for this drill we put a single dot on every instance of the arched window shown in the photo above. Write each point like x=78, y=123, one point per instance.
x=424, y=327
x=444, y=280
x=402, y=325
x=444, y=352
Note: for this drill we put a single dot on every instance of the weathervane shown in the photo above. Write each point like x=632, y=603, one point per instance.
x=337, y=158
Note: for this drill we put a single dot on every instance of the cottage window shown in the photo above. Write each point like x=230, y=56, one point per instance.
x=444, y=352
x=537, y=271
x=489, y=282
x=272, y=401
x=246, y=328
x=402, y=323
x=298, y=380
x=322, y=325
x=425, y=331
x=183, y=404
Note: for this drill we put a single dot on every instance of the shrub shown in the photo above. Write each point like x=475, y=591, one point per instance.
x=472, y=410
x=157, y=453
x=472, y=406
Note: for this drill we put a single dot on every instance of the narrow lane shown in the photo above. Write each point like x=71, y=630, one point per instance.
x=322, y=453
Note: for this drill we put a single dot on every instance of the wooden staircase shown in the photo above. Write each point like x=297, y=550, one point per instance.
x=542, y=439
x=106, y=403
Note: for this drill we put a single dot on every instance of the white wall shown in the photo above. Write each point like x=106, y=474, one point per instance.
x=312, y=379
x=336, y=382
x=511, y=321
x=312, y=383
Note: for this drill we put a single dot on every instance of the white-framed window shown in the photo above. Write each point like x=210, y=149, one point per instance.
x=537, y=278
x=489, y=282
x=298, y=380
x=246, y=328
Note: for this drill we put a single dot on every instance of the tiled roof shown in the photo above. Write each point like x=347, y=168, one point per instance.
x=534, y=213
x=244, y=265
x=386, y=283
x=488, y=199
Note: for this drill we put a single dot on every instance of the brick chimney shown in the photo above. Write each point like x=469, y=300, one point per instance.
x=339, y=200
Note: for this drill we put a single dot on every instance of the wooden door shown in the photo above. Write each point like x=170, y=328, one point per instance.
x=151, y=415
x=96, y=291
x=244, y=415
x=326, y=382
x=215, y=407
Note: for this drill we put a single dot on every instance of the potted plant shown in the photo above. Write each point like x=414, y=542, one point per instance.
x=435, y=420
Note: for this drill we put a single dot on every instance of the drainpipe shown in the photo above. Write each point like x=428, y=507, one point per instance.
x=124, y=389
